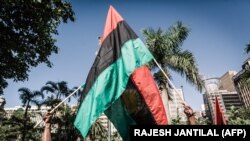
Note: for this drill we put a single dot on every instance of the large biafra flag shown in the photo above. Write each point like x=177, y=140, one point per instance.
x=119, y=84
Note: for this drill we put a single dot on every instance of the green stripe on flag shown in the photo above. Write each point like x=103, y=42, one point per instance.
x=120, y=118
x=111, y=83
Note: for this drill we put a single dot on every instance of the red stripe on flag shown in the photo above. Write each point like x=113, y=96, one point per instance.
x=145, y=84
x=113, y=18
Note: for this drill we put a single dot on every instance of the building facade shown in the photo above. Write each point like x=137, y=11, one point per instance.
x=176, y=105
x=242, y=88
x=223, y=88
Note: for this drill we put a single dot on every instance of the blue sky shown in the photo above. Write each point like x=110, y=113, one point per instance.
x=219, y=33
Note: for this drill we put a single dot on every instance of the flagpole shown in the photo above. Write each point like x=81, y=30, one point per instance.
x=109, y=130
x=61, y=102
x=172, y=85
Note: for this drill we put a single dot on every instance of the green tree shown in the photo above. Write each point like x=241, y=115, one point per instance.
x=59, y=89
x=27, y=35
x=166, y=48
x=68, y=130
x=11, y=128
x=98, y=131
x=246, y=74
x=63, y=116
x=204, y=121
x=3, y=127
x=28, y=97
x=177, y=119
x=239, y=116
x=63, y=122
x=247, y=49
x=78, y=93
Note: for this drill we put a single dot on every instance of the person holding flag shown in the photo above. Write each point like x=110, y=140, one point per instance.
x=47, y=129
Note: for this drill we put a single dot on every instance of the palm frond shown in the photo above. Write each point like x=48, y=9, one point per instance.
x=176, y=35
x=52, y=84
x=36, y=102
x=184, y=63
x=160, y=78
x=63, y=87
x=47, y=89
x=77, y=94
x=24, y=90
x=25, y=95
x=247, y=49
x=155, y=41
x=38, y=94
x=166, y=48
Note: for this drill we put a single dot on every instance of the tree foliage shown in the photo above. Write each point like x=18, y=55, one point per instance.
x=246, y=75
x=204, y=121
x=98, y=131
x=59, y=89
x=239, y=116
x=27, y=28
x=19, y=126
x=166, y=48
x=63, y=120
x=247, y=49
x=12, y=128
x=177, y=120
x=28, y=97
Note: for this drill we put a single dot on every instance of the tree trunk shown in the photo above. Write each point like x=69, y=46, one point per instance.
x=25, y=121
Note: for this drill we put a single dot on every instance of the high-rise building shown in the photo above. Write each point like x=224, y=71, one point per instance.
x=176, y=104
x=242, y=88
x=226, y=81
x=226, y=100
x=224, y=89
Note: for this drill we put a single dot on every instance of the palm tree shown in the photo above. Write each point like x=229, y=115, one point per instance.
x=78, y=93
x=166, y=48
x=28, y=97
x=63, y=117
x=247, y=49
x=66, y=130
x=58, y=88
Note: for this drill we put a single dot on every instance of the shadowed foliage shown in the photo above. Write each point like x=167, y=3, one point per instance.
x=27, y=35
